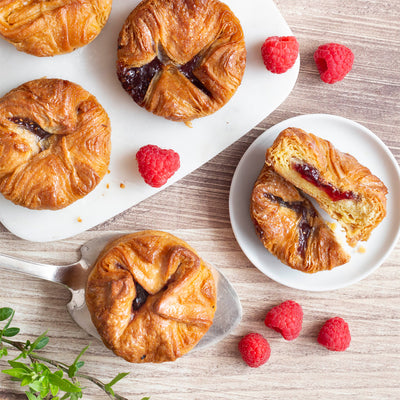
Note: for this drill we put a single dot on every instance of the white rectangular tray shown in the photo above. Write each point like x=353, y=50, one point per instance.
x=93, y=67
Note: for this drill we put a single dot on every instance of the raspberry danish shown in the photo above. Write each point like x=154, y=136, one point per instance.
x=290, y=227
x=344, y=188
x=51, y=27
x=54, y=144
x=151, y=297
x=181, y=59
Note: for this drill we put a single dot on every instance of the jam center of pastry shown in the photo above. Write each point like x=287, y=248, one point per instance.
x=141, y=297
x=35, y=128
x=305, y=213
x=136, y=80
x=312, y=175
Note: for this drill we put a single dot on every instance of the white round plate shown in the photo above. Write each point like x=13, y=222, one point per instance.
x=347, y=136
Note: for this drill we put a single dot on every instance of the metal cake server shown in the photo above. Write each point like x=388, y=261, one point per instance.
x=74, y=277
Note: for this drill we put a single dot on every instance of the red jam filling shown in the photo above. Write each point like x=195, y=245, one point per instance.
x=312, y=175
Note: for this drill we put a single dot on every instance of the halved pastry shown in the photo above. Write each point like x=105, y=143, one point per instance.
x=344, y=188
x=290, y=227
x=151, y=297
x=181, y=59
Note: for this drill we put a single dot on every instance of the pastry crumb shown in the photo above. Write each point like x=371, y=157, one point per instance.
x=108, y=186
x=362, y=250
x=108, y=171
x=189, y=124
x=79, y=219
x=122, y=186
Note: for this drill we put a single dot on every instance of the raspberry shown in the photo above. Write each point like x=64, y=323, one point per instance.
x=334, y=61
x=280, y=53
x=335, y=334
x=157, y=165
x=286, y=318
x=254, y=349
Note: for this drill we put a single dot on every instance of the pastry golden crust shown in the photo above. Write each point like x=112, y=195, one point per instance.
x=54, y=144
x=344, y=188
x=290, y=227
x=51, y=27
x=181, y=59
x=150, y=297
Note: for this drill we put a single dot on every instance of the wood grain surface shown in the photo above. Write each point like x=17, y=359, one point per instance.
x=196, y=209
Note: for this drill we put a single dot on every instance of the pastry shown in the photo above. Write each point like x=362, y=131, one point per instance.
x=344, y=188
x=181, y=59
x=54, y=144
x=150, y=297
x=290, y=227
x=51, y=27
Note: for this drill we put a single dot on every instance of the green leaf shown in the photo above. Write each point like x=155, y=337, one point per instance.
x=54, y=389
x=73, y=369
x=63, y=384
x=118, y=378
x=145, y=398
x=3, y=352
x=9, y=332
x=18, y=373
x=6, y=313
x=40, y=342
x=30, y=396
x=16, y=364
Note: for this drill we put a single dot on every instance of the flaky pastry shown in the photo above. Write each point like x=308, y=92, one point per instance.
x=344, y=188
x=51, y=27
x=181, y=59
x=54, y=144
x=151, y=297
x=290, y=227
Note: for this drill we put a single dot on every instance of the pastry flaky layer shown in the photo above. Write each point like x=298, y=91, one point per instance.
x=151, y=297
x=51, y=27
x=54, y=144
x=290, y=227
x=344, y=188
x=181, y=59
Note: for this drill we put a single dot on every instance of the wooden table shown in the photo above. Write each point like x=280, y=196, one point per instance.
x=196, y=209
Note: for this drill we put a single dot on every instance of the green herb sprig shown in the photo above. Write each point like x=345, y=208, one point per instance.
x=46, y=378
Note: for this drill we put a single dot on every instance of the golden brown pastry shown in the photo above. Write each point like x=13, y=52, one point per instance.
x=181, y=59
x=344, y=188
x=54, y=144
x=150, y=297
x=290, y=227
x=51, y=27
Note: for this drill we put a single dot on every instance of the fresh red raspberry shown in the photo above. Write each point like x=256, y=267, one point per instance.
x=335, y=334
x=286, y=318
x=280, y=53
x=254, y=349
x=157, y=165
x=334, y=61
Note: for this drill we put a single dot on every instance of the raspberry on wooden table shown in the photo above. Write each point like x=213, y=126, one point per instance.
x=279, y=53
x=255, y=349
x=157, y=165
x=335, y=334
x=286, y=318
x=334, y=61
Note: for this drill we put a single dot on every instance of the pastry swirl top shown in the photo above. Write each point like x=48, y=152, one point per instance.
x=51, y=27
x=181, y=59
x=54, y=144
x=151, y=297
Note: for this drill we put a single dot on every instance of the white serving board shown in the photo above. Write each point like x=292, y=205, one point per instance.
x=93, y=67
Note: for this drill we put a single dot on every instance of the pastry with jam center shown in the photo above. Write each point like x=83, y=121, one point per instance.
x=181, y=59
x=290, y=227
x=344, y=188
x=51, y=27
x=151, y=297
x=54, y=144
